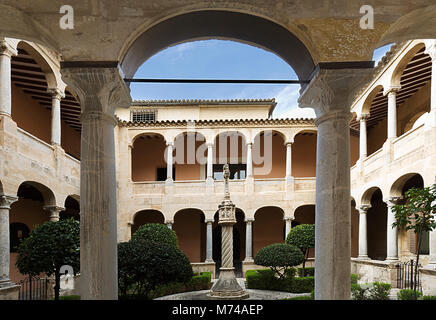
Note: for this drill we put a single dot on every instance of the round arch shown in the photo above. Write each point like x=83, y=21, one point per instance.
x=366, y=107
x=190, y=228
x=190, y=156
x=72, y=208
x=367, y=195
x=219, y=24
x=268, y=227
x=146, y=216
x=402, y=64
x=48, y=197
x=229, y=147
x=397, y=188
x=304, y=149
x=147, y=133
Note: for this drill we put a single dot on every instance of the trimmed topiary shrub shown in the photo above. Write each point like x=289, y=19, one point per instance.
x=142, y=267
x=429, y=298
x=303, y=237
x=408, y=294
x=300, y=298
x=279, y=257
x=302, y=285
x=155, y=232
x=200, y=281
x=358, y=292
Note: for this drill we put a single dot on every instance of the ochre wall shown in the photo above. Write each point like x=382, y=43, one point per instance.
x=36, y=119
x=190, y=229
x=147, y=156
x=276, y=162
x=304, y=156
x=268, y=228
x=31, y=214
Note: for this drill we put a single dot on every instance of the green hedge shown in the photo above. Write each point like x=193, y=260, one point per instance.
x=309, y=272
x=354, y=278
x=265, y=279
x=408, y=294
x=429, y=298
x=300, y=298
x=198, y=282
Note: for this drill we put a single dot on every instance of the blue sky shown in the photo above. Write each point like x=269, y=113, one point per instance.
x=220, y=59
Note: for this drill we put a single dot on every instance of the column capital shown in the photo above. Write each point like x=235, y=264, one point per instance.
x=249, y=144
x=210, y=144
x=169, y=221
x=331, y=91
x=54, y=212
x=289, y=218
x=391, y=90
x=392, y=201
x=56, y=93
x=249, y=220
x=7, y=201
x=363, y=209
x=99, y=86
x=209, y=221
x=6, y=49
x=288, y=143
x=170, y=144
x=363, y=117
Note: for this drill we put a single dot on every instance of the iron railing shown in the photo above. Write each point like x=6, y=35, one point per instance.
x=33, y=288
x=406, y=275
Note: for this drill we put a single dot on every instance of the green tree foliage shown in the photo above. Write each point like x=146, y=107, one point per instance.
x=49, y=247
x=417, y=214
x=155, y=232
x=142, y=266
x=279, y=257
x=303, y=237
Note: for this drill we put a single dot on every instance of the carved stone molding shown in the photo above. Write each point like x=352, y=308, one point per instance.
x=7, y=50
x=333, y=90
x=100, y=89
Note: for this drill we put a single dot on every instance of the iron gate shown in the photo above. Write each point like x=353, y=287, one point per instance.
x=33, y=288
x=406, y=275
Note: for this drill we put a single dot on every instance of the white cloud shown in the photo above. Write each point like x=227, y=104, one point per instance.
x=287, y=104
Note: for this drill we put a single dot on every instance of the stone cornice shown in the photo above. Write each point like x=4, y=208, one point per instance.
x=151, y=103
x=205, y=123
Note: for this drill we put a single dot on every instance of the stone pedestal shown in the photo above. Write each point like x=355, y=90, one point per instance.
x=9, y=292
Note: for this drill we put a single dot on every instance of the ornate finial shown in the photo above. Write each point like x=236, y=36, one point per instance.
x=226, y=174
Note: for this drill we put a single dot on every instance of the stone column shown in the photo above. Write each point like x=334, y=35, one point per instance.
x=209, y=240
x=54, y=212
x=363, y=232
x=100, y=88
x=432, y=246
x=288, y=222
x=330, y=93
x=209, y=178
x=288, y=161
x=5, y=206
x=6, y=52
x=249, y=160
x=249, y=240
x=392, y=232
x=57, y=95
x=392, y=111
x=363, y=137
x=170, y=178
x=431, y=51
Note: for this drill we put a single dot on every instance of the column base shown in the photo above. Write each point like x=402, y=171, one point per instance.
x=227, y=287
x=9, y=291
x=289, y=180
x=392, y=259
x=248, y=260
x=169, y=182
x=430, y=266
x=363, y=257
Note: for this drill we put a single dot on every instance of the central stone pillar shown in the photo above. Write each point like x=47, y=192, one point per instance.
x=100, y=88
x=331, y=92
x=227, y=287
